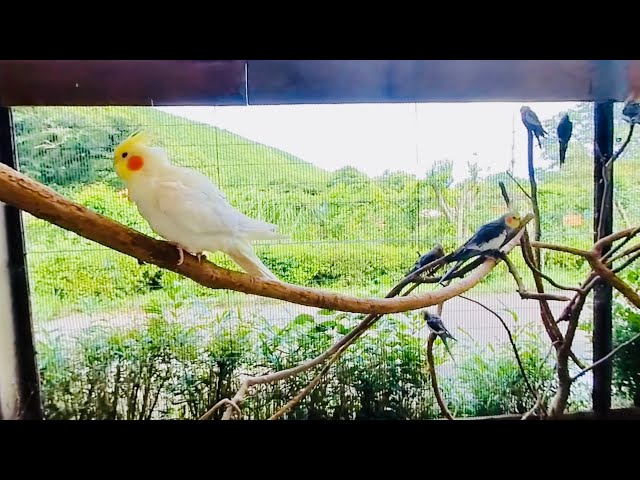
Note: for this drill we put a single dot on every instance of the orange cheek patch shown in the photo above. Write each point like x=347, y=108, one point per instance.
x=135, y=163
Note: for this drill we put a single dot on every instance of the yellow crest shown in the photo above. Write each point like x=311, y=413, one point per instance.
x=136, y=139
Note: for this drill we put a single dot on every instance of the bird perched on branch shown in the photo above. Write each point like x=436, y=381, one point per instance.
x=435, y=324
x=631, y=109
x=564, y=131
x=429, y=257
x=486, y=241
x=531, y=121
x=186, y=208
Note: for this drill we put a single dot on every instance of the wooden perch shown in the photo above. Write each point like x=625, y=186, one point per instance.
x=41, y=201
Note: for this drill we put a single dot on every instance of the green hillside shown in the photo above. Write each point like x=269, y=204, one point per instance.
x=74, y=145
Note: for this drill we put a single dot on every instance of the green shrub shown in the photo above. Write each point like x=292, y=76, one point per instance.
x=490, y=381
x=626, y=363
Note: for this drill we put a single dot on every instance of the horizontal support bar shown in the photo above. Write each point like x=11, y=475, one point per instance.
x=346, y=81
x=122, y=82
x=264, y=82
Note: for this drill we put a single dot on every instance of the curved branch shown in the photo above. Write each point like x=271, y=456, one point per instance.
x=535, y=271
x=615, y=281
x=622, y=244
x=629, y=261
x=562, y=248
x=434, y=381
x=306, y=390
x=523, y=291
x=628, y=251
x=624, y=145
x=609, y=239
x=41, y=201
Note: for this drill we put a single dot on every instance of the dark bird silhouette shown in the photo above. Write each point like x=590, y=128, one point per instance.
x=565, y=129
x=531, y=121
x=429, y=257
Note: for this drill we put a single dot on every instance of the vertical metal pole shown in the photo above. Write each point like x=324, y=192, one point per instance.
x=602, y=293
x=17, y=330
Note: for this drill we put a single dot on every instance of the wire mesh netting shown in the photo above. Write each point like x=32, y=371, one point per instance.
x=361, y=190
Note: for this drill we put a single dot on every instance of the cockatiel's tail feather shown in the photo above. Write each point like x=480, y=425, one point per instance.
x=563, y=152
x=243, y=255
x=451, y=271
x=258, y=230
x=446, y=345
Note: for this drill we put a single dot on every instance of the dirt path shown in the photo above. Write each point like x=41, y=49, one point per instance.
x=470, y=324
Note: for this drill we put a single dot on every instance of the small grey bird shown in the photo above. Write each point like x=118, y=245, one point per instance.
x=532, y=122
x=434, y=323
x=631, y=110
x=487, y=240
x=429, y=257
x=564, y=131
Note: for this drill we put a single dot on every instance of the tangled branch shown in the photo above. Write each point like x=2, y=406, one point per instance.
x=343, y=343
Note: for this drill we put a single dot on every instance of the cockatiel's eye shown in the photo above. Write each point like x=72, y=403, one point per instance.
x=124, y=155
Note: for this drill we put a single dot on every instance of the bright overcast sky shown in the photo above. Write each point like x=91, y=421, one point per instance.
x=379, y=137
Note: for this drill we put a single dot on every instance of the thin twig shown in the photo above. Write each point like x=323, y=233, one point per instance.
x=616, y=282
x=629, y=261
x=535, y=270
x=434, y=381
x=624, y=145
x=562, y=248
x=628, y=251
x=607, y=356
x=519, y=186
x=539, y=406
x=511, y=340
x=606, y=173
x=523, y=291
x=609, y=239
x=633, y=233
x=534, y=195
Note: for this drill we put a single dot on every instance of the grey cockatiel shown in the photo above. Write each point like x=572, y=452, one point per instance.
x=435, y=324
x=487, y=240
x=429, y=257
x=531, y=121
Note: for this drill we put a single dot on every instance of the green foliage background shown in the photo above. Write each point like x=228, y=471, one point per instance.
x=349, y=233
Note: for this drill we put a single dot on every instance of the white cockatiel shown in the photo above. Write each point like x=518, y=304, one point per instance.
x=185, y=207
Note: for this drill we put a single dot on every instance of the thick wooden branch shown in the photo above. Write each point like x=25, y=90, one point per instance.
x=434, y=380
x=43, y=202
x=613, y=280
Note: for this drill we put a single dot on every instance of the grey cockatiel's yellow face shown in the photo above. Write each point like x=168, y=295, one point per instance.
x=512, y=220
